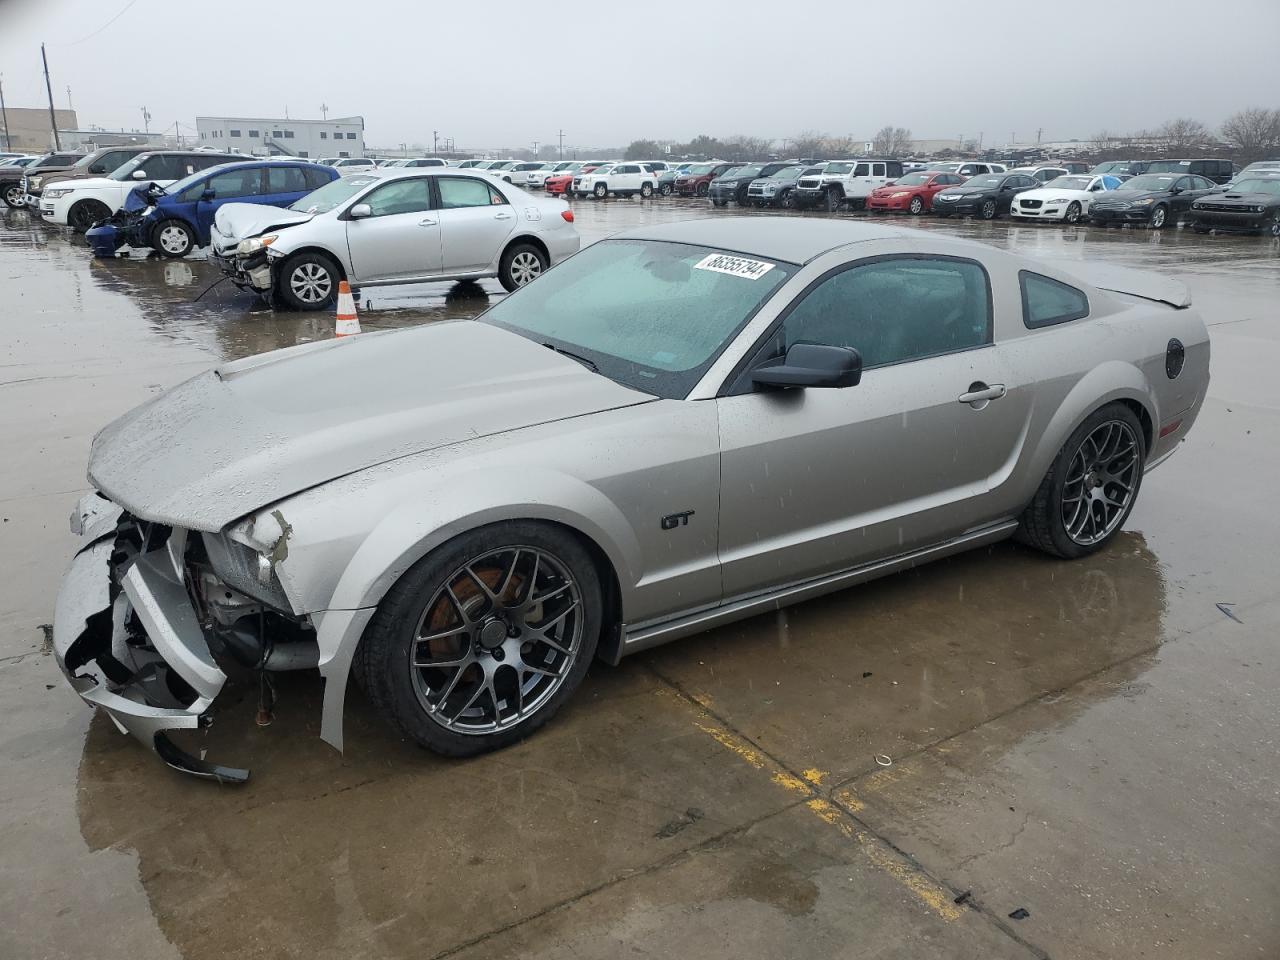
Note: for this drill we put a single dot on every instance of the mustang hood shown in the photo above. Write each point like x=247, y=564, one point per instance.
x=239, y=221
x=249, y=433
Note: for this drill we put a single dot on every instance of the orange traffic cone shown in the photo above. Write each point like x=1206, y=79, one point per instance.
x=348, y=321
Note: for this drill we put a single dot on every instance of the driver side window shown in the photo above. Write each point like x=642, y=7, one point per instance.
x=898, y=309
x=400, y=196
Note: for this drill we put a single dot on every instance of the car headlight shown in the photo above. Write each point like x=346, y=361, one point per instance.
x=900, y=193
x=33, y=183
x=254, y=244
x=769, y=189
x=53, y=193
x=1059, y=200
x=1143, y=203
x=245, y=557
x=1259, y=208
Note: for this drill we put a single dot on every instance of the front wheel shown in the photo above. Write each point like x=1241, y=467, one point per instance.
x=834, y=199
x=788, y=200
x=482, y=641
x=86, y=213
x=1160, y=217
x=1073, y=212
x=1091, y=487
x=720, y=203
x=665, y=189
x=988, y=210
x=601, y=191
x=173, y=238
x=308, y=281
x=520, y=265
x=703, y=189
x=13, y=196
x=646, y=190
x=1273, y=227
x=916, y=206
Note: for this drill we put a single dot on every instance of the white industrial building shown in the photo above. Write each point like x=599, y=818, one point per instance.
x=263, y=137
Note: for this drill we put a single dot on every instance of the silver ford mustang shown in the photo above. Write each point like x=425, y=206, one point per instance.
x=678, y=427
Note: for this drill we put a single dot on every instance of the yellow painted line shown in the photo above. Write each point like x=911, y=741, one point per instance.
x=931, y=894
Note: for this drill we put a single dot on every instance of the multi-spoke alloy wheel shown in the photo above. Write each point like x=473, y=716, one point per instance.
x=1091, y=486
x=1101, y=482
x=496, y=640
x=482, y=640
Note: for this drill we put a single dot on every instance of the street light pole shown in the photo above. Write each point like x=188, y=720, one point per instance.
x=4, y=113
x=561, y=144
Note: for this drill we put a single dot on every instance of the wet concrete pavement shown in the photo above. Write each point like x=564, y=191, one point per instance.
x=1094, y=742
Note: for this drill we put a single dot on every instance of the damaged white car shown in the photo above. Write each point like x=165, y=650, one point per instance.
x=394, y=226
x=678, y=427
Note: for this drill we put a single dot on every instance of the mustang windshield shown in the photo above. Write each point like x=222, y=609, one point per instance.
x=650, y=315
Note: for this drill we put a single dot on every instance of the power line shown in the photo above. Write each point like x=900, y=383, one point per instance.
x=100, y=29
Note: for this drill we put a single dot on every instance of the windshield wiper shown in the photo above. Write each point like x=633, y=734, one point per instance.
x=573, y=356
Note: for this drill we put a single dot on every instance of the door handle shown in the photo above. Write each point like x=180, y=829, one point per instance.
x=502, y=216
x=428, y=222
x=981, y=393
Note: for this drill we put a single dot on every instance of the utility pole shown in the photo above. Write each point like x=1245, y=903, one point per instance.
x=146, y=121
x=53, y=120
x=1038, y=135
x=70, y=105
x=435, y=141
x=535, y=149
x=4, y=113
x=324, y=111
x=561, y=144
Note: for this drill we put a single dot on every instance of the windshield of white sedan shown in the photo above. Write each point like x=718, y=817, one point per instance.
x=331, y=194
x=648, y=314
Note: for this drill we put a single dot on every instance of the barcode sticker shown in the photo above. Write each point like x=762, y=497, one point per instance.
x=734, y=266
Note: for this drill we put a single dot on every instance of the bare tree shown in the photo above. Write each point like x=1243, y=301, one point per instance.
x=1255, y=133
x=746, y=148
x=839, y=147
x=809, y=143
x=891, y=141
x=1184, y=136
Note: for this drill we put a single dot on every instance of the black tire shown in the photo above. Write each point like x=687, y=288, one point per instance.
x=13, y=196
x=173, y=239
x=1042, y=525
x=601, y=191
x=665, y=189
x=86, y=213
x=787, y=201
x=703, y=189
x=916, y=206
x=1073, y=212
x=834, y=199
x=1273, y=228
x=308, y=281
x=1161, y=217
x=720, y=203
x=517, y=267
x=1199, y=228
x=989, y=209
x=389, y=639
x=646, y=190
x=742, y=198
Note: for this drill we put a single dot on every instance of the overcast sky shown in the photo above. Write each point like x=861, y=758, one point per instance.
x=507, y=72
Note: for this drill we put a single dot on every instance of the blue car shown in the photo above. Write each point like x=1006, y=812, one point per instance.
x=174, y=220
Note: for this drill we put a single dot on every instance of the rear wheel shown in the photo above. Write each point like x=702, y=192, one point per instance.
x=646, y=190
x=1073, y=212
x=1091, y=487
x=308, y=281
x=916, y=206
x=989, y=210
x=520, y=265
x=86, y=213
x=1160, y=217
x=481, y=642
x=173, y=238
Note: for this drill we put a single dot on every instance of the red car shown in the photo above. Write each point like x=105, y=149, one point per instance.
x=913, y=192
x=559, y=184
x=696, y=181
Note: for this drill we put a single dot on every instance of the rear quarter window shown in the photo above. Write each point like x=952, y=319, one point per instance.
x=1046, y=302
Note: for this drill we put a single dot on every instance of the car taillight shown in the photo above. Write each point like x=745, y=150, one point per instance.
x=567, y=215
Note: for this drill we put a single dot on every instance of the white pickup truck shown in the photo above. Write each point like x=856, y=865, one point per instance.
x=845, y=182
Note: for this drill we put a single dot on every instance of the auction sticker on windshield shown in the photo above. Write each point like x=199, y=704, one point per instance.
x=734, y=266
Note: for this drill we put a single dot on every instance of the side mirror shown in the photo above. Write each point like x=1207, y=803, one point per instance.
x=812, y=365
x=208, y=193
x=360, y=211
x=1174, y=191
x=139, y=174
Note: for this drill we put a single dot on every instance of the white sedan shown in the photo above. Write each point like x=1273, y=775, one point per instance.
x=1066, y=198
x=394, y=226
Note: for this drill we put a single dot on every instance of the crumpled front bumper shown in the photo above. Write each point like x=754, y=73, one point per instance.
x=149, y=681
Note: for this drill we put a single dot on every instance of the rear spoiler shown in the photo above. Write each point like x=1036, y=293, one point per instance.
x=1135, y=283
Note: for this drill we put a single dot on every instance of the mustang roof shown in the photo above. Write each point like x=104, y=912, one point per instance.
x=778, y=238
